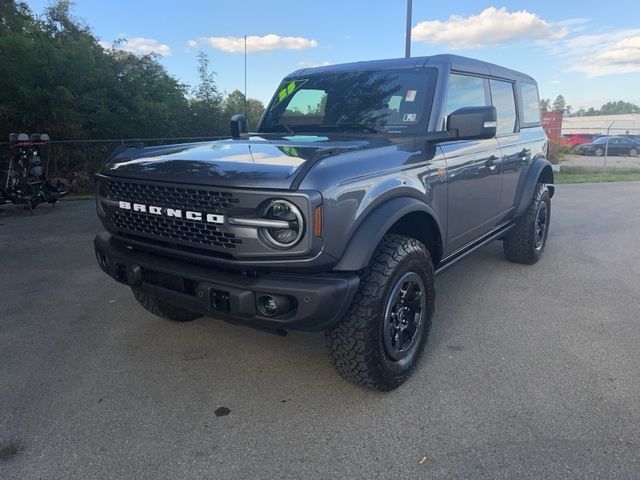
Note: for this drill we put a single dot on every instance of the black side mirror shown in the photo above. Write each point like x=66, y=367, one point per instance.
x=238, y=125
x=473, y=123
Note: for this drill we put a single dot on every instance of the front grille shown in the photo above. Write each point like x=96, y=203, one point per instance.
x=174, y=197
x=174, y=229
x=171, y=229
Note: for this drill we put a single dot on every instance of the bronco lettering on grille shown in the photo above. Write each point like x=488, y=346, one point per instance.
x=171, y=212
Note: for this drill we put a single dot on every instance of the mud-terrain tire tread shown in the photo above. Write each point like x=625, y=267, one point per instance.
x=353, y=343
x=519, y=244
x=162, y=309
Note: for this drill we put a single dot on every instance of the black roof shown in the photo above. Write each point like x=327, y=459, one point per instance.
x=456, y=62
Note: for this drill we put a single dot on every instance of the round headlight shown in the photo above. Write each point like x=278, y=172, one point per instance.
x=283, y=210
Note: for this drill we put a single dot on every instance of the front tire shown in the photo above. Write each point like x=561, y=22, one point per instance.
x=380, y=340
x=163, y=309
x=633, y=152
x=526, y=241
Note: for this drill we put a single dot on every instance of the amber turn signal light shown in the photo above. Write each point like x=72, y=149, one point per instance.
x=317, y=221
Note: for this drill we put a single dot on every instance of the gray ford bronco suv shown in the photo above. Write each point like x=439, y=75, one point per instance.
x=360, y=183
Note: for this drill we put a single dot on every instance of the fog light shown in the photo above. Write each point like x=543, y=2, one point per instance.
x=273, y=305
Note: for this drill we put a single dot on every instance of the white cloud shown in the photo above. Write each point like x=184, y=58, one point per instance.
x=307, y=64
x=257, y=43
x=192, y=44
x=139, y=46
x=603, y=53
x=490, y=27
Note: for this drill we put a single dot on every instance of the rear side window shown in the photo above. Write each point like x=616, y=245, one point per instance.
x=464, y=91
x=530, y=104
x=503, y=99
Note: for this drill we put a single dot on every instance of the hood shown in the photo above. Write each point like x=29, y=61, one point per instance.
x=255, y=162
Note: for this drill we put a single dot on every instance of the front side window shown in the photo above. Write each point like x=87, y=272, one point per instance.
x=464, y=91
x=388, y=101
x=504, y=101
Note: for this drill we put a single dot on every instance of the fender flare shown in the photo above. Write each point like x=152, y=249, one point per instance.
x=375, y=225
x=530, y=181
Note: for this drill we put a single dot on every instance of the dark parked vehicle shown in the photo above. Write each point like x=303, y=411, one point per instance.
x=361, y=182
x=618, y=145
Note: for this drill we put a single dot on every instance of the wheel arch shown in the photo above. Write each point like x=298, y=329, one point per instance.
x=401, y=215
x=539, y=171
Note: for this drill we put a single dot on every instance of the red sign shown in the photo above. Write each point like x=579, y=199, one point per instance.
x=552, y=124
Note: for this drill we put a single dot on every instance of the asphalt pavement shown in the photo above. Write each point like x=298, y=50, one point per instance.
x=530, y=371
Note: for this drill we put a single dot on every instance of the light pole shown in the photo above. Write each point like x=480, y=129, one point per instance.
x=407, y=44
x=245, y=76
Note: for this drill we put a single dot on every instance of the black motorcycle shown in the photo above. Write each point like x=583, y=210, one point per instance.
x=25, y=182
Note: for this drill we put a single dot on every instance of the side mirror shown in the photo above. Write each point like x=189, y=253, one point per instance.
x=238, y=125
x=473, y=123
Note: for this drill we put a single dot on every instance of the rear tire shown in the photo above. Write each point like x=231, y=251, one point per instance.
x=633, y=152
x=380, y=340
x=163, y=309
x=526, y=241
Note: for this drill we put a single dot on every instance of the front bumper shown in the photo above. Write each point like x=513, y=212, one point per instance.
x=318, y=300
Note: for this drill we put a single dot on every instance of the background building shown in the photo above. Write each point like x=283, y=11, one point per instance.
x=620, y=124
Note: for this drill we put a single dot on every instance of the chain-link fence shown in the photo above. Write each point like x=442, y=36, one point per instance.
x=595, y=148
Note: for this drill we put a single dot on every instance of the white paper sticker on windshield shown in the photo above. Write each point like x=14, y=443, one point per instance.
x=409, y=117
x=410, y=96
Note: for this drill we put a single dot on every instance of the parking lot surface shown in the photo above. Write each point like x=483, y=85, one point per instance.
x=530, y=371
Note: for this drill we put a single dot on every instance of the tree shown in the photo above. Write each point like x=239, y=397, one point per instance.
x=611, y=108
x=559, y=104
x=206, y=104
x=545, y=104
x=234, y=103
x=614, y=108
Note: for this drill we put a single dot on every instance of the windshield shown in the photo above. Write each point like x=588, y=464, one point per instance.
x=385, y=101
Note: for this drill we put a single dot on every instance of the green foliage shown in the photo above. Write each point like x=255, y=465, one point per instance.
x=613, y=108
x=234, y=103
x=595, y=175
x=545, y=104
x=57, y=78
x=559, y=104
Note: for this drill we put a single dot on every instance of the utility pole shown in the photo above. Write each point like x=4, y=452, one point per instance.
x=407, y=45
x=245, y=76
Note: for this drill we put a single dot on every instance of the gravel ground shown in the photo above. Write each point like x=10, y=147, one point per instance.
x=530, y=372
x=598, y=162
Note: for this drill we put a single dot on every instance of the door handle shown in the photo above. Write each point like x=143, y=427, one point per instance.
x=491, y=162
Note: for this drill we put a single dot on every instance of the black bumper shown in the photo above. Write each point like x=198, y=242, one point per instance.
x=318, y=300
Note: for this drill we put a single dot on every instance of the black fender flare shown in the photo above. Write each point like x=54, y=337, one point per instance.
x=374, y=226
x=530, y=181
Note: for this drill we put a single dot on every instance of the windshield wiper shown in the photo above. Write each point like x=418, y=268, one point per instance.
x=358, y=126
x=287, y=128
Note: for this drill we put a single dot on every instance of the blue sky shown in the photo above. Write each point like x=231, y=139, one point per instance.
x=587, y=51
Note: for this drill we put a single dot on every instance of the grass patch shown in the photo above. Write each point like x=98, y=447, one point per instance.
x=595, y=175
x=79, y=196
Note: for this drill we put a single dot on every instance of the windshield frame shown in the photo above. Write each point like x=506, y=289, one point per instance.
x=430, y=77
